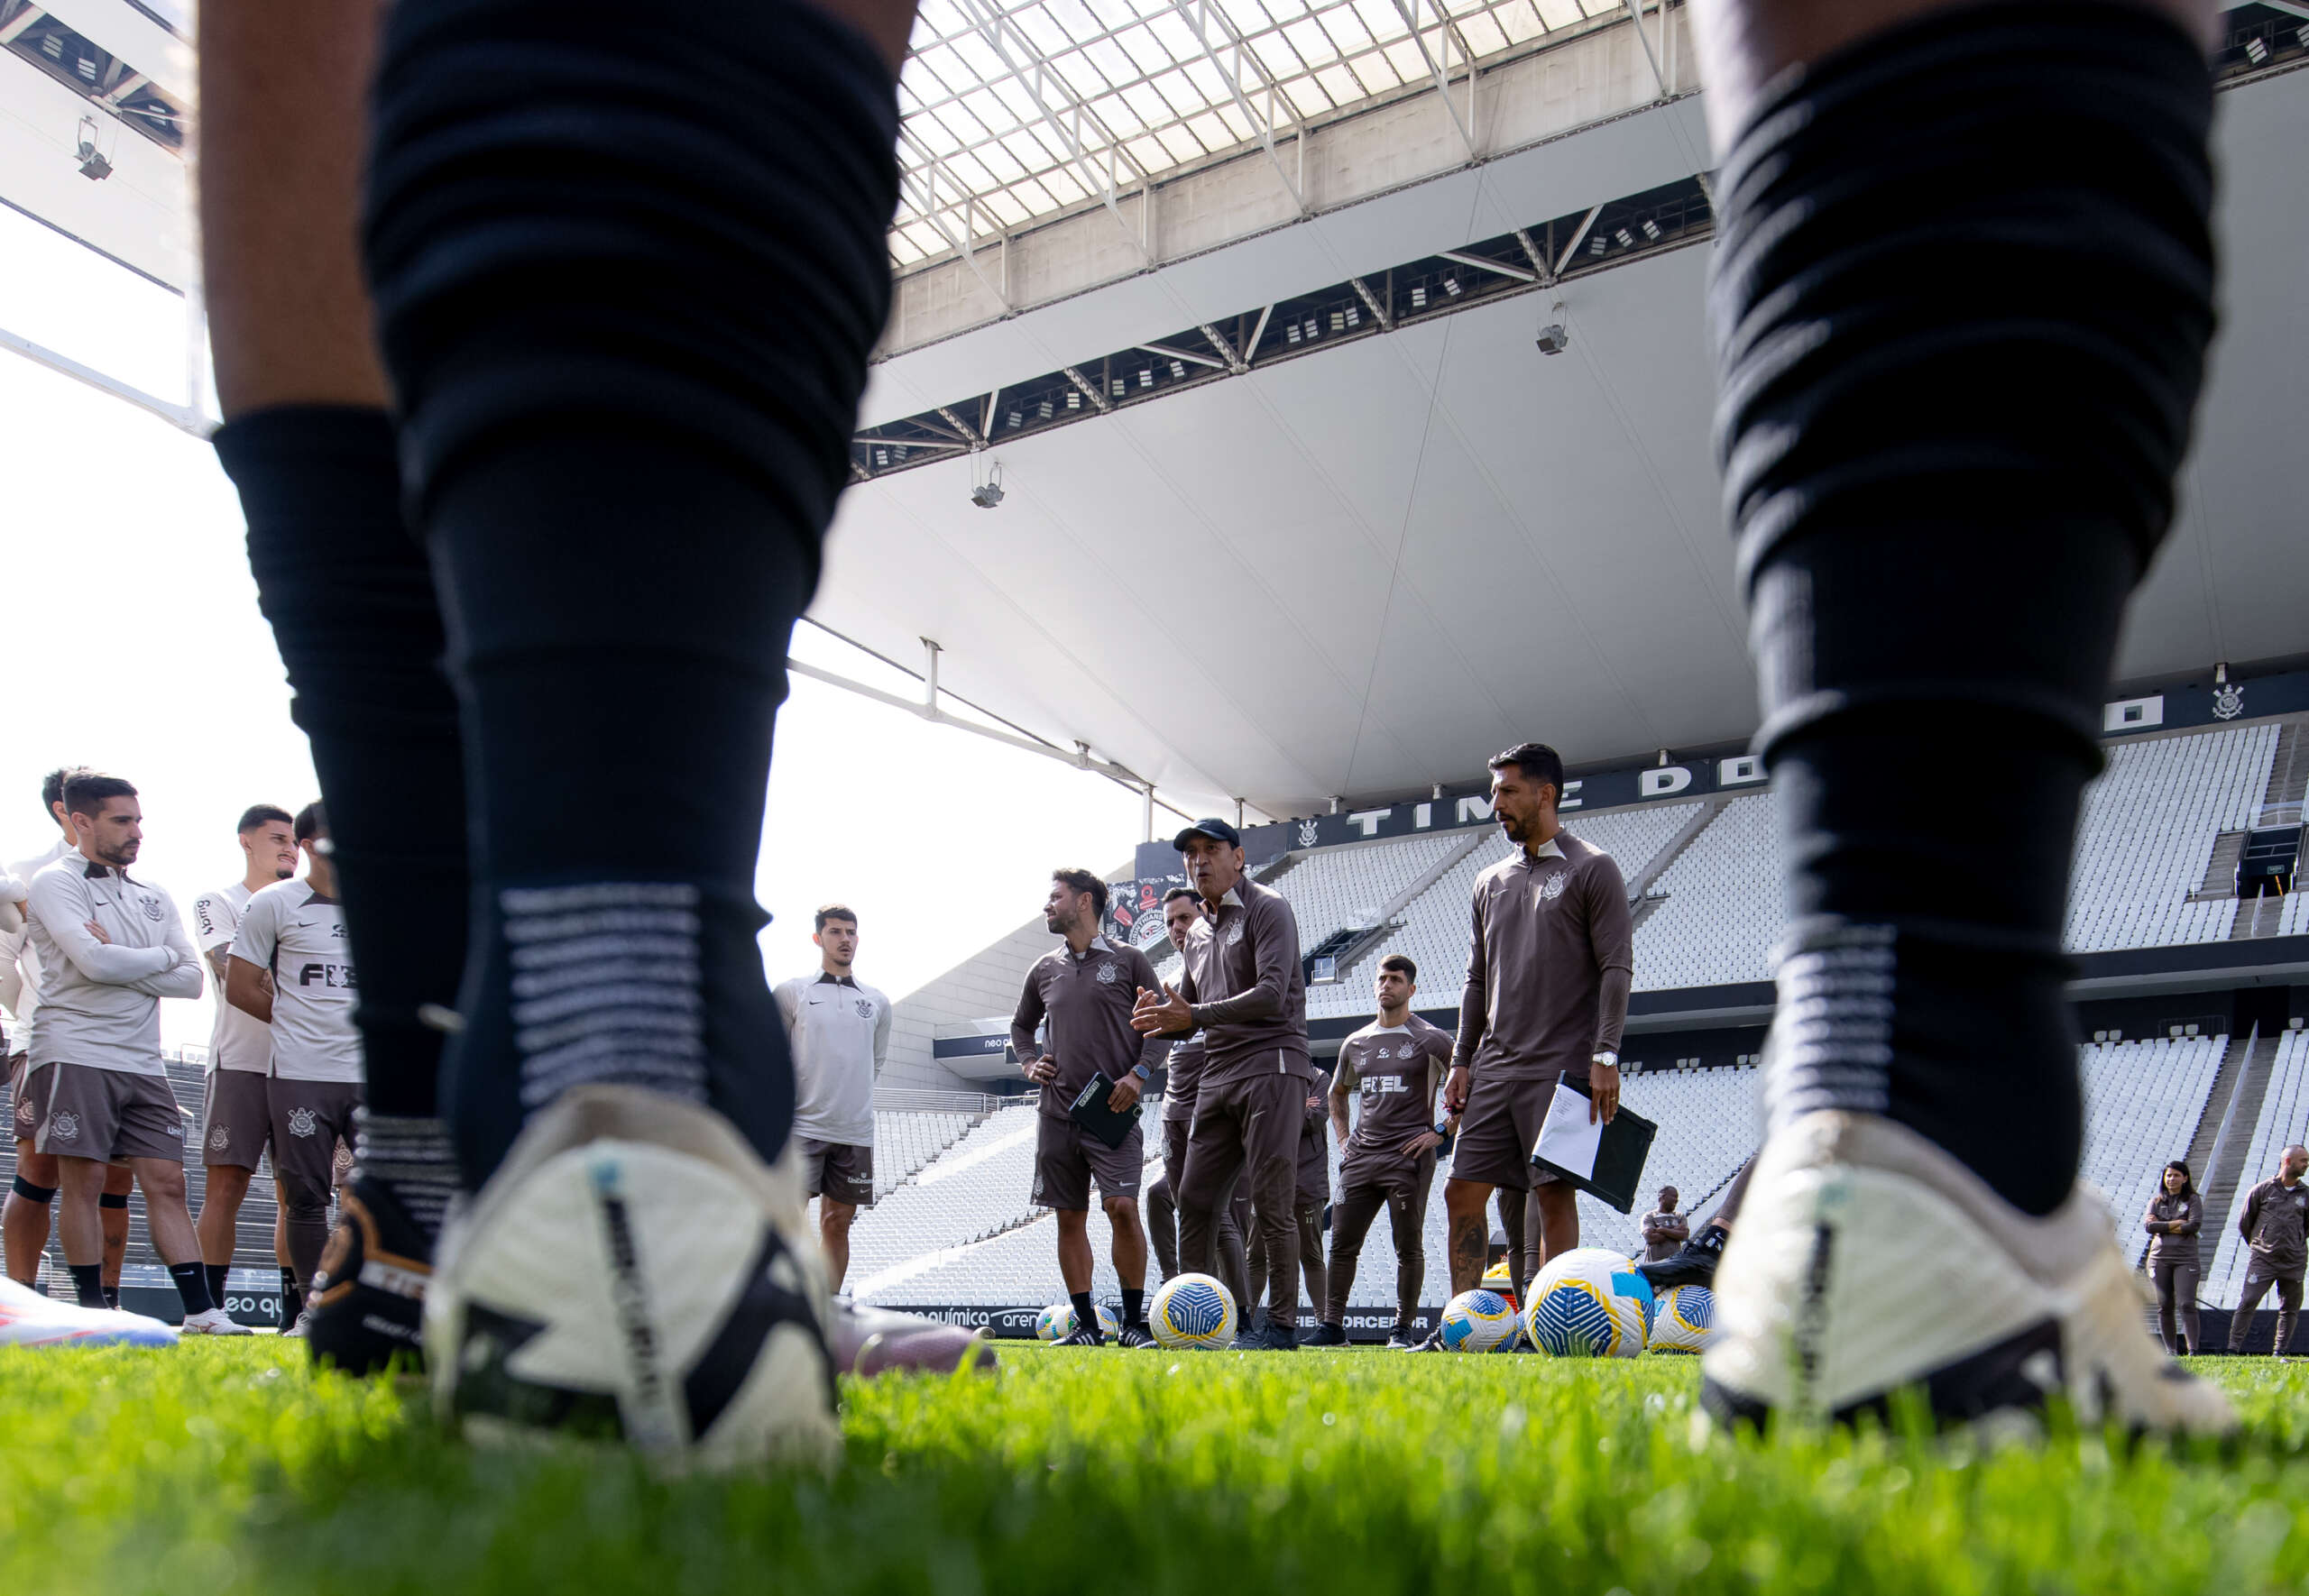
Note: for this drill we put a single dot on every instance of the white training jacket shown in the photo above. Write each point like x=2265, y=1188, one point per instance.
x=99, y=1002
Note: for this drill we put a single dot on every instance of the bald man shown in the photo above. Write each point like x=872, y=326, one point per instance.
x=2276, y=1227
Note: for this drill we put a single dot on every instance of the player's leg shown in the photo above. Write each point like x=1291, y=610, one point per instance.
x=24, y=1220
x=1516, y=1221
x=1075, y=1265
x=1555, y=1215
x=292, y=1297
x=1962, y=296
x=283, y=88
x=1314, y=1273
x=1207, y=1184
x=168, y=1222
x=835, y=1219
x=1270, y=1133
x=2184, y=1286
x=2288, y=1315
x=112, y=1212
x=1255, y=1273
x=1407, y=1215
x=80, y=1182
x=1351, y=1219
x=1233, y=1253
x=1130, y=1264
x=1469, y=1237
x=1162, y=1225
x=227, y=1189
x=2160, y=1280
x=2249, y=1303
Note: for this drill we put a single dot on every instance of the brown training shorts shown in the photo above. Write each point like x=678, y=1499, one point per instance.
x=309, y=1118
x=108, y=1114
x=235, y=1119
x=25, y=1089
x=1497, y=1131
x=1067, y=1158
x=843, y=1171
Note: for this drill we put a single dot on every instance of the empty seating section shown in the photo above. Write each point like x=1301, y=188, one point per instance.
x=2295, y=921
x=904, y=1142
x=1724, y=903
x=2284, y=1119
x=1710, y=1121
x=1333, y=888
x=2150, y=820
x=1434, y=932
x=2142, y=1102
x=980, y=1185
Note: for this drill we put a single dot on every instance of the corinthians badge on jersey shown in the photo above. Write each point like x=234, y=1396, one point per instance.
x=153, y=910
x=300, y=1122
x=1107, y=974
x=1555, y=885
x=865, y=1009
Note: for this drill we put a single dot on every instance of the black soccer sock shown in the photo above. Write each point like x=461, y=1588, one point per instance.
x=627, y=311
x=1086, y=1314
x=1962, y=296
x=216, y=1273
x=293, y=1300
x=88, y=1284
x=112, y=1295
x=192, y=1285
x=352, y=604
x=1133, y=1304
x=412, y=1159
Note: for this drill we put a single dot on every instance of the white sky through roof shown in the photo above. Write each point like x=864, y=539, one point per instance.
x=1014, y=112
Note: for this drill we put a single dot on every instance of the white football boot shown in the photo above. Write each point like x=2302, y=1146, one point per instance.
x=29, y=1318
x=634, y=1273
x=1866, y=1260
x=215, y=1322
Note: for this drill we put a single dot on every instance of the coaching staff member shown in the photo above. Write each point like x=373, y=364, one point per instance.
x=1547, y=973
x=1243, y=988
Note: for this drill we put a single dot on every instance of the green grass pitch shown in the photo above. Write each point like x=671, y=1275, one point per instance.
x=229, y=1466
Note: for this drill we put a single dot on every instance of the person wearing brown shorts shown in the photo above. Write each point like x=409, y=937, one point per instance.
x=293, y=933
x=1085, y=991
x=839, y=1030
x=1390, y=1071
x=1549, y=967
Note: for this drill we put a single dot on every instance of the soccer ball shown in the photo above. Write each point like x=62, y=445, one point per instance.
x=1056, y=1321
x=1589, y=1303
x=1192, y=1310
x=1476, y=1321
x=1686, y=1321
x=580, y=1298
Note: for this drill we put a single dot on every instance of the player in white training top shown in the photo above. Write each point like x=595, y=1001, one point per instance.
x=839, y=1032
x=294, y=931
x=26, y=1219
x=235, y=1122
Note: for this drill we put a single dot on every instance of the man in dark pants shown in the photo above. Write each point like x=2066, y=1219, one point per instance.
x=1312, y=1196
x=2275, y=1223
x=1243, y=987
x=1181, y=907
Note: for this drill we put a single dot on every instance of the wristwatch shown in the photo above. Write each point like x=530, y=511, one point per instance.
x=1142, y=1072
x=1607, y=1057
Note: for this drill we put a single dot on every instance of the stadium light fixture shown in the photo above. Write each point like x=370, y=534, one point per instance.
x=1419, y=296
x=1627, y=239
x=2256, y=50
x=1554, y=339
x=986, y=494
x=1451, y=287
x=1651, y=230
x=1597, y=245
x=94, y=164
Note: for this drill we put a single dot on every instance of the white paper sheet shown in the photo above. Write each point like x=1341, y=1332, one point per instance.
x=1566, y=1139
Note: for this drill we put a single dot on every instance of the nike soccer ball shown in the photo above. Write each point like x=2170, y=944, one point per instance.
x=1476, y=1321
x=580, y=1298
x=1589, y=1303
x=1192, y=1310
x=1686, y=1321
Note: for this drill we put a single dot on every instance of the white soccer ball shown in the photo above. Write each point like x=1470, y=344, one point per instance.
x=1686, y=1320
x=1589, y=1303
x=1476, y=1321
x=1192, y=1310
x=1054, y=1321
x=587, y=1294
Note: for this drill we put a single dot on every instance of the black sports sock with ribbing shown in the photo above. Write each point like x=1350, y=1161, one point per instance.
x=192, y=1285
x=112, y=1295
x=1961, y=296
x=351, y=600
x=88, y=1284
x=293, y=1300
x=216, y=1273
x=1086, y=1313
x=1134, y=1306
x=627, y=313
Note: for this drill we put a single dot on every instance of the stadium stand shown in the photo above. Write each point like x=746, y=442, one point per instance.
x=1721, y=904
x=2149, y=825
x=2142, y=1102
x=977, y=1187
x=904, y=1141
x=2284, y=1118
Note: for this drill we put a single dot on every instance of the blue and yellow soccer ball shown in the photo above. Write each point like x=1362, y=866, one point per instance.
x=1192, y=1310
x=1476, y=1321
x=1686, y=1321
x=1589, y=1303
x=1054, y=1321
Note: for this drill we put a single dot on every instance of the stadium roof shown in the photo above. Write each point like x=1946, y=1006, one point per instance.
x=1013, y=112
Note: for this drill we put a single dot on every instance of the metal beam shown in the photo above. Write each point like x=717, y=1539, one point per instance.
x=1251, y=349
x=1195, y=16
x=1167, y=353
x=1387, y=322
x=19, y=23
x=1219, y=342
x=1090, y=389
x=1435, y=66
x=1635, y=14
x=925, y=204
x=183, y=416
x=1518, y=273
x=1563, y=261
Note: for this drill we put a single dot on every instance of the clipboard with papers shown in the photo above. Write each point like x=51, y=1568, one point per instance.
x=1090, y=1112
x=1605, y=1160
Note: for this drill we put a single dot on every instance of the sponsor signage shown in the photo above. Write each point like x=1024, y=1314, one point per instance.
x=1017, y=1323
